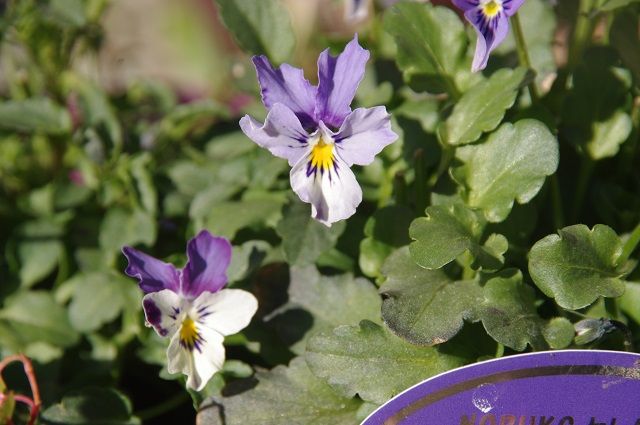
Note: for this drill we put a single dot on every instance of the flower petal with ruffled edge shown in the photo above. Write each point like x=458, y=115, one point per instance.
x=338, y=80
x=288, y=86
x=363, y=135
x=153, y=275
x=282, y=134
x=197, y=328
x=206, y=270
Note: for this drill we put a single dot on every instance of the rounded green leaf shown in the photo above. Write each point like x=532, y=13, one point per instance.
x=482, y=108
x=286, y=396
x=449, y=231
x=425, y=306
x=559, y=333
x=508, y=312
x=578, y=265
x=431, y=44
x=511, y=165
x=371, y=362
x=91, y=406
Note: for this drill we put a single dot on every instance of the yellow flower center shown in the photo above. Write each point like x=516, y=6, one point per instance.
x=492, y=8
x=322, y=155
x=188, y=333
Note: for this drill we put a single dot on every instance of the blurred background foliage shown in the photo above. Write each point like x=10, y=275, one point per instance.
x=118, y=126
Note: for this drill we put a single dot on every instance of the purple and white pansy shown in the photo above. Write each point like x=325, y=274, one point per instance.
x=190, y=307
x=314, y=128
x=490, y=18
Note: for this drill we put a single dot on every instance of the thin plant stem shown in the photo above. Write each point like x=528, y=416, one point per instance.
x=35, y=402
x=556, y=200
x=630, y=245
x=581, y=189
x=582, y=32
x=523, y=54
x=499, y=350
x=420, y=184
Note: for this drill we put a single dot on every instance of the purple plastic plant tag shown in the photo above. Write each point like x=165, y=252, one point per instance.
x=577, y=387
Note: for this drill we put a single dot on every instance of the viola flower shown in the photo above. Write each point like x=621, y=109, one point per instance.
x=490, y=18
x=189, y=306
x=315, y=129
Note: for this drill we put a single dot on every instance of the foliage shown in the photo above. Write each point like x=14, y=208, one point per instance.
x=507, y=212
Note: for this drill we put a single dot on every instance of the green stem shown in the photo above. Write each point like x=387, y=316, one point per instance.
x=556, y=200
x=420, y=183
x=523, y=54
x=630, y=245
x=400, y=188
x=582, y=32
x=445, y=159
x=499, y=350
x=581, y=189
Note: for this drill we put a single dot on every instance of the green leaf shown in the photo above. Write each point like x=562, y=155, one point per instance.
x=39, y=114
x=7, y=406
x=324, y=302
x=384, y=231
x=425, y=307
x=96, y=109
x=431, y=44
x=287, y=396
x=140, y=166
x=303, y=238
x=609, y=135
x=67, y=13
x=37, y=317
x=91, y=406
x=449, y=231
x=373, y=363
x=608, y=5
x=38, y=259
x=482, y=108
x=578, y=265
x=559, y=333
x=121, y=227
x=186, y=118
x=594, y=112
x=508, y=312
x=624, y=36
x=259, y=27
x=510, y=165
x=98, y=299
x=226, y=218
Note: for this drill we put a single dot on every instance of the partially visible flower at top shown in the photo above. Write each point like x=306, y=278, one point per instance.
x=490, y=18
x=189, y=306
x=315, y=129
x=356, y=10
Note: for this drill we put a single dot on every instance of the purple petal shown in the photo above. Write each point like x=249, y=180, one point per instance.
x=281, y=133
x=511, y=6
x=153, y=275
x=288, y=86
x=491, y=32
x=364, y=133
x=206, y=269
x=339, y=78
x=466, y=4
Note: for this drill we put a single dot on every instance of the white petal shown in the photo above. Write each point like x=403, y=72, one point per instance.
x=161, y=309
x=227, y=311
x=198, y=365
x=333, y=196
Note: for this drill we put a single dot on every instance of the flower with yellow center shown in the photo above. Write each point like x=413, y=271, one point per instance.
x=490, y=18
x=190, y=307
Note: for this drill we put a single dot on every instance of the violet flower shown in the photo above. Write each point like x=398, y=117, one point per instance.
x=490, y=18
x=315, y=129
x=189, y=306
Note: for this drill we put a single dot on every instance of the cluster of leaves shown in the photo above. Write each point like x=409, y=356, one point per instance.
x=479, y=233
